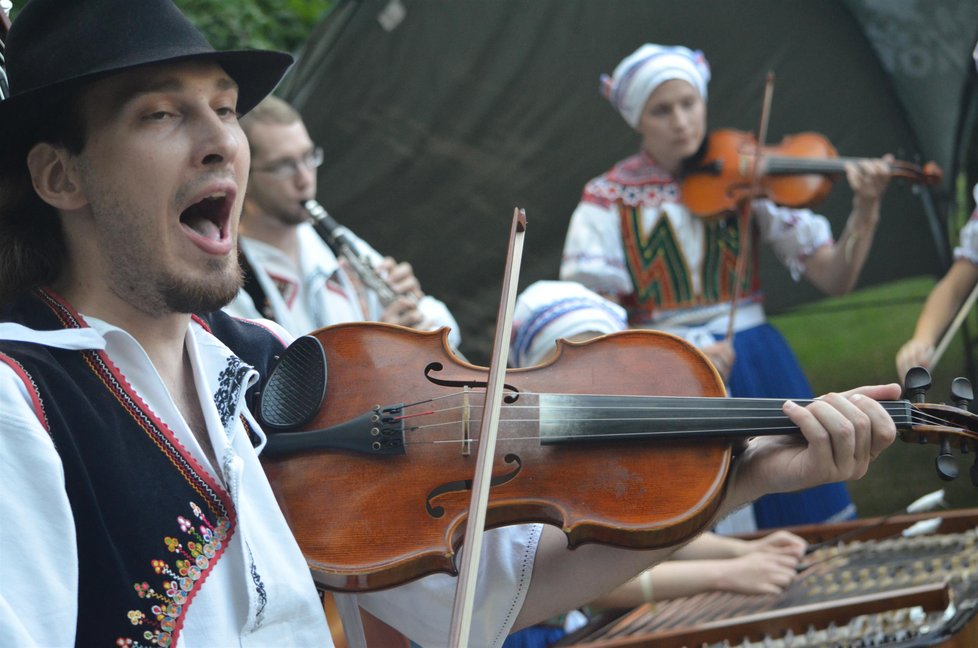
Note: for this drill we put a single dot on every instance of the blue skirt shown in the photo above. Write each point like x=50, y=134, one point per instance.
x=538, y=636
x=766, y=367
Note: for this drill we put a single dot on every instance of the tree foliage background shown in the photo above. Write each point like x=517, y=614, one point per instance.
x=235, y=24
x=262, y=24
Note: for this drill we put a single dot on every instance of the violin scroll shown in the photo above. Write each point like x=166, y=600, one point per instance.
x=942, y=423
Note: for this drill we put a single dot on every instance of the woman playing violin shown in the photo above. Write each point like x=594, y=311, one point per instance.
x=633, y=240
x=949, y=295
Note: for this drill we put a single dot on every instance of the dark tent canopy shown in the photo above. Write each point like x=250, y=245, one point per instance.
x=440, y=116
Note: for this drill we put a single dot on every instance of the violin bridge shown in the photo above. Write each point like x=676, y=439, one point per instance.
x=466, y=417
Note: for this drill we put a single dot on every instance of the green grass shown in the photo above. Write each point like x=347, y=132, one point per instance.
x=853, y=340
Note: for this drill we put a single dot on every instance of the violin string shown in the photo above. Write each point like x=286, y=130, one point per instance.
x=916, y=416
x=898, y=413
x=618, y=436
x=411, y=433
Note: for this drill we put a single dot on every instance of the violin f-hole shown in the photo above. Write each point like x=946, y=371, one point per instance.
x=463, y=485
x=429, y=370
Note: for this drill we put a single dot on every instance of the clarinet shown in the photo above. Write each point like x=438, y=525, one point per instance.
x=332, y=233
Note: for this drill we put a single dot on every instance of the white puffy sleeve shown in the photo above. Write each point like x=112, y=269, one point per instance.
x=38, y=556
x=593, y=252
x=968, y=245
x=794, y=234
x=422, y=610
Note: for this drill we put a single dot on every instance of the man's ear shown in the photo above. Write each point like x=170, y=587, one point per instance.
x=55, y=177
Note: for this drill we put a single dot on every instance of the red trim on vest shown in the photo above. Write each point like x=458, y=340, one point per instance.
x=31, y=389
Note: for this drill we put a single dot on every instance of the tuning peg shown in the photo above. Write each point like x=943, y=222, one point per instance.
x=946, y=464
x=961, y=392
x=916, y=384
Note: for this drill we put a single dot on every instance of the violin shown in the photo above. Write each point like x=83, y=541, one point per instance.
x=372, y=431
x=797, y=172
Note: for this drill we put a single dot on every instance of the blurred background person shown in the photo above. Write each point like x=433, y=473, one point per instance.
x=291, y=275
x=633, y=240
x=944, y=301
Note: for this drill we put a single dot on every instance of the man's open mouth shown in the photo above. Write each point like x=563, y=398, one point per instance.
x=209, y=217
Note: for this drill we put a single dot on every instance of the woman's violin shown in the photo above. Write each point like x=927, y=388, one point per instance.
x=798, y=172
x=372, y=432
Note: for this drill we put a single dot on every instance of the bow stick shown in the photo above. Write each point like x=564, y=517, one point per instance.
x=953, y=327
x=745, y=207
x=476, y=521
x=5, y=7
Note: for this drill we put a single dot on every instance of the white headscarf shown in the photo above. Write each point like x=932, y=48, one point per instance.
x=549, y=310
x=645, y=69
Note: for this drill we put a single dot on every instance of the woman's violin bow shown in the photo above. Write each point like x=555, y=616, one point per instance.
x=745, y=206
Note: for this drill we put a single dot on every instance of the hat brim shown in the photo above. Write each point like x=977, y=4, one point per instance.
x=257, y=73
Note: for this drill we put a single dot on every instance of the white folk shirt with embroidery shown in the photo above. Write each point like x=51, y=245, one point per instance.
x=319, y=292
x=38, y=567
x=967, y=247
x=278, y=606
x=594, y=254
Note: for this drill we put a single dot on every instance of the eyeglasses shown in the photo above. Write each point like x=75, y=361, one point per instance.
x=288, y=167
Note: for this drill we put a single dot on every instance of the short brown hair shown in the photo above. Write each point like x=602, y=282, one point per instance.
x=270, y=110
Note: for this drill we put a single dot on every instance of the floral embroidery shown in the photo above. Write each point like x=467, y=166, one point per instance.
x=195, y=551
x=259, y=589
x=230, y=383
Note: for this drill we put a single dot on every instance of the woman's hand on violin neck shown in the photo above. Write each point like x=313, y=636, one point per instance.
x=841, y=435
x=869, y=179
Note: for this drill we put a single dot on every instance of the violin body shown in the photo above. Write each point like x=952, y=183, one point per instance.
x=797, y=172
x=723, y=179
x=371, y=522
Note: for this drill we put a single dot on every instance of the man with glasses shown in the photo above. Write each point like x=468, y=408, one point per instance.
x=291, y=275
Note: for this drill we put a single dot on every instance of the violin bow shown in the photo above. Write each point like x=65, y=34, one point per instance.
x=745, y=208
x=5, y=7
x=953, y=327
x=476, y=520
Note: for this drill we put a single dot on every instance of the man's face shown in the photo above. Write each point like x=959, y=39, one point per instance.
x=164, y=171
x=673, y=123
x=281, y=176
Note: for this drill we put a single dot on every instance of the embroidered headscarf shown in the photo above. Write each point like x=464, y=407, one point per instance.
x=645, y=69
x=549, y=310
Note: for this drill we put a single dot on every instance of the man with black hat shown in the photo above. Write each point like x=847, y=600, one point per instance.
x=135, y=510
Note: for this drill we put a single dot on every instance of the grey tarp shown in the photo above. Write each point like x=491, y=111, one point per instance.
x=440, y=116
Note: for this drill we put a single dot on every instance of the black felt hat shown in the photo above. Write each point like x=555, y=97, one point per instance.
x=55, y=44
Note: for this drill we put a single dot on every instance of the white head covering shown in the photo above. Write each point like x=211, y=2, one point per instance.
x=645, y=69
x=549, y=310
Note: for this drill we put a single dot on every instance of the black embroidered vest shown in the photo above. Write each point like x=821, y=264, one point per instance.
x=150, y=522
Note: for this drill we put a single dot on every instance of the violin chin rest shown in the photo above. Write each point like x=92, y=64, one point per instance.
x=296, y=387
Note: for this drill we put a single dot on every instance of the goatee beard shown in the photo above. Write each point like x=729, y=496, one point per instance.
x=181, y=296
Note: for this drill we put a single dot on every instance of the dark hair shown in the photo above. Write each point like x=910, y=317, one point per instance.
x=32, y=248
